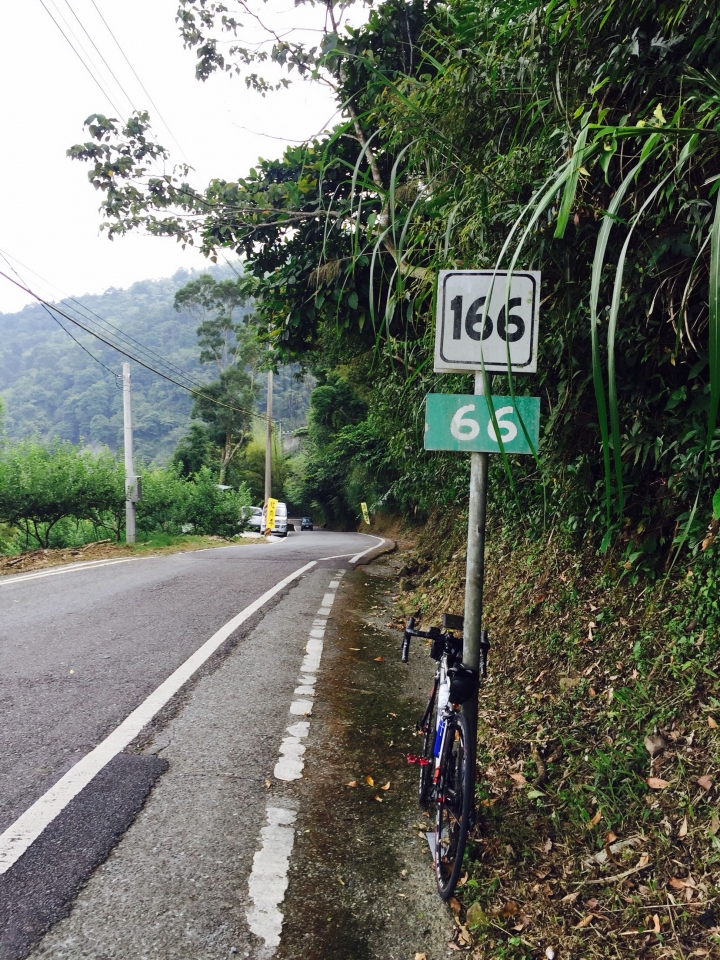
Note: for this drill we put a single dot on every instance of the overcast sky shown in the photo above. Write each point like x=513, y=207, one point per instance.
x=48, y=211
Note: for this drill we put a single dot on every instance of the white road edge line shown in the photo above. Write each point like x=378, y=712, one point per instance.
x=7, y=580
x=268, y=879
x=358, y=555
x=29, y=825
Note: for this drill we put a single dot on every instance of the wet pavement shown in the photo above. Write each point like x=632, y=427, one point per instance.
x=197, y=874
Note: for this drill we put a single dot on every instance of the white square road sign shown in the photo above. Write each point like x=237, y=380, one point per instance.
x=461, y=336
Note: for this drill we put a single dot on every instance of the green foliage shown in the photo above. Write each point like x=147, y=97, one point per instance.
x=41, y=486
x=171, y=502
x=579, y=138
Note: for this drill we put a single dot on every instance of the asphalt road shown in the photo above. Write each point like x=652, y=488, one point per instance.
x=81, y=648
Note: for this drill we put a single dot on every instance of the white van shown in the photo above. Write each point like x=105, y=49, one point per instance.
x=281, y=520
x=254, y=517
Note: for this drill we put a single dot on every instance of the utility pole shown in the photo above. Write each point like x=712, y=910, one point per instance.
x=130, y=479
x=475, y=569
x=268, y=438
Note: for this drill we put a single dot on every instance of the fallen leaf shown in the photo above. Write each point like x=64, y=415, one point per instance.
x=705, y=782
x=683, y=828
x=464, y=937
x=379, y=799
x=592, y=904
x=509, y=909
x=611, y=837
x=595, y=820
x=369, y=781
x=657, y=783
x=518, y=778
x=351, y=783
x=380, y=659
x=570, y=897
x=655, y=744
x=714, y=826
x=454, y=905
x=712, y=724
x=547, y=846
x=591, y=691
x=386, y=787
x=268, y=783
x=534, y=794
x=341, y=881
x=656, y=923
x=676, y=884
x=453, y=946
x=585, y=922
x=420, y=956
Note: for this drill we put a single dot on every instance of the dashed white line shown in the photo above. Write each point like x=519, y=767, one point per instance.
x=268, y=879
x=264, y=917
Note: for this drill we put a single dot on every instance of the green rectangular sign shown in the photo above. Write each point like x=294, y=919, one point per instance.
x=462, y=422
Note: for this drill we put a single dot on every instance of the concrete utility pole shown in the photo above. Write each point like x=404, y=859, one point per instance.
x=130, y=478
x=268, y=439
x=475, y=569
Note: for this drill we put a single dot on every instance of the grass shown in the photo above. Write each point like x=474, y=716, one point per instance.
x=585, y=666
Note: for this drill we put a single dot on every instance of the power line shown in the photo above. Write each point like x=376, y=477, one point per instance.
x=145, y=90
x=131, y=356
x=157, y=109
x=118, y=333
x=52, y=315
x=112, y=73
x=69, y=41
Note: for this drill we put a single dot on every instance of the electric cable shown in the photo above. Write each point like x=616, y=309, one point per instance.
x=118, y=333
x=110, y=69
x=131, y=356
x=144, y=88
x=62, y=327
x=70, y=43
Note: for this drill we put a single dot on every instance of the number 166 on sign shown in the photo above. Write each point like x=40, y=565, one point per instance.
x=464, y=422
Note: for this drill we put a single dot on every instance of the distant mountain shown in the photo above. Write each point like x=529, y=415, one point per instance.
x=53, y=388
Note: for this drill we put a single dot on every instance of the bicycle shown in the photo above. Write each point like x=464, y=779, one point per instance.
x=447, y=763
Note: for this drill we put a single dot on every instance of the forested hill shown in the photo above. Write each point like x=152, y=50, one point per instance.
x=53, y=388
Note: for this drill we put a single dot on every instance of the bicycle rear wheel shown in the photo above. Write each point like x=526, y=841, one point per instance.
x=455, y=800
x=428, y=752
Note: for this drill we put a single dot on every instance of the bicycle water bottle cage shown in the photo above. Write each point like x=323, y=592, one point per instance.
x=463, y=683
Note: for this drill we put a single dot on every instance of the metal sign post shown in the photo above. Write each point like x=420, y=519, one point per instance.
x=486, y=321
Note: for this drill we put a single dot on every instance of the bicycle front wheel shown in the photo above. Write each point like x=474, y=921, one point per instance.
x=455, y=799
x=428, y=754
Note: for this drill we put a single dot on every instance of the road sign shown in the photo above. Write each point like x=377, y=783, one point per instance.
x=366, y=515
x=270, y=518
x=466, y=326
x=455, y=421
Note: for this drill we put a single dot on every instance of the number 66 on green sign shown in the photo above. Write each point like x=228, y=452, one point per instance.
x=463, y=422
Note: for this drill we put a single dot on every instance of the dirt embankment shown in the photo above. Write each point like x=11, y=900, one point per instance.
x=599, y=753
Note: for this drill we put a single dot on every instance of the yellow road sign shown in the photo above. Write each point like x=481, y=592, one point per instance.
x=270, y=519
x=366, y=515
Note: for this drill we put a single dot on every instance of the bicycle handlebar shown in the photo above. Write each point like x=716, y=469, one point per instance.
x=409, y=632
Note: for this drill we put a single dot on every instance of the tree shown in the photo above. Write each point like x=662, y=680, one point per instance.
x=41, y=485
x=225, y=405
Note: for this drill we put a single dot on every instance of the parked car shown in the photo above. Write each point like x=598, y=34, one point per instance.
x=254, y=517
x=306, y=523
x=281, y=520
